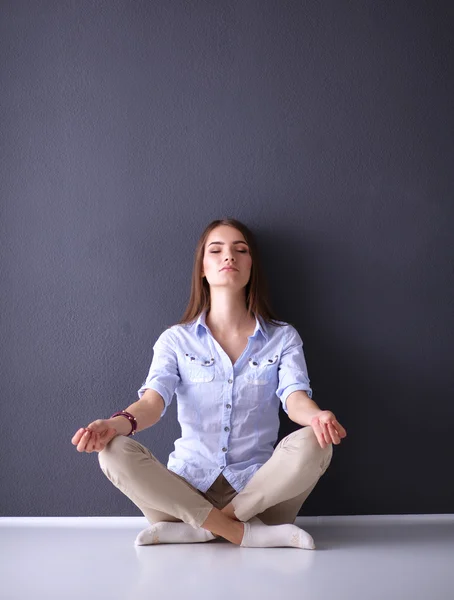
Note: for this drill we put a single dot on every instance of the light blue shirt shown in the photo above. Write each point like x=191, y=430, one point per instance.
x=229, y=414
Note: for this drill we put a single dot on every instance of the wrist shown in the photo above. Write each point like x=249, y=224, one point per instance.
x=121, y=425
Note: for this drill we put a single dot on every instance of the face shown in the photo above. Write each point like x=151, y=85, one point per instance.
x=226, y=246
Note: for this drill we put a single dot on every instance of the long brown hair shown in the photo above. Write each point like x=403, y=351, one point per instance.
x=257, y=301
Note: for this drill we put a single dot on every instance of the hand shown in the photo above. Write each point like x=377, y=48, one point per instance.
x=327, y=429
x=95, y=436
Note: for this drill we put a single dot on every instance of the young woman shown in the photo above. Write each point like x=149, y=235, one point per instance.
x=230, y=362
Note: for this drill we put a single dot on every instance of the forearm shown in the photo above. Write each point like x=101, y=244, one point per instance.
x=301, y=409
x=147, y=412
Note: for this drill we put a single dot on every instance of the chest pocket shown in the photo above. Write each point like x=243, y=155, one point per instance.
x=195, y=368
x=263, y=370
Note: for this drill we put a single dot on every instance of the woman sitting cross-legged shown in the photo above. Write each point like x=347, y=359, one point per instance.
x=230, y=363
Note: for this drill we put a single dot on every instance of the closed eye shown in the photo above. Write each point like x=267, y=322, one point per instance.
x=217, y=251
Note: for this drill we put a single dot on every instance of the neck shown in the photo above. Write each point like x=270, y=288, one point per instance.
x=228, y=315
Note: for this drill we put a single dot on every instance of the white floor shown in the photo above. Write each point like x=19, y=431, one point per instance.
x=377, y=557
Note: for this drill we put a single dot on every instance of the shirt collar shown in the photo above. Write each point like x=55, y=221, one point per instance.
x=201, y=325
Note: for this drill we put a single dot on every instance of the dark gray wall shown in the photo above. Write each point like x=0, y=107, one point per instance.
x=327, y=127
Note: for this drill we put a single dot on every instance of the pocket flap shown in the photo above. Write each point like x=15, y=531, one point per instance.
x=201, y=361
x=256, y=364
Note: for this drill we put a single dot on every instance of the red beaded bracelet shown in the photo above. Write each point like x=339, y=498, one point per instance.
x=131, y=418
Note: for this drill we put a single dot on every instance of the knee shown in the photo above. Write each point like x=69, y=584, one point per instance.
x=309, y=448
x=115, y=451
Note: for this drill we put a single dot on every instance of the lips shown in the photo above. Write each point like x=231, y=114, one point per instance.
x=229, y=269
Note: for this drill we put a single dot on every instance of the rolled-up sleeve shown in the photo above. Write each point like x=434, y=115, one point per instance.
x=292, y=370
x=163, y=375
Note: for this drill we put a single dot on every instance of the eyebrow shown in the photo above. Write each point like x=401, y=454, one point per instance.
x=236, y=242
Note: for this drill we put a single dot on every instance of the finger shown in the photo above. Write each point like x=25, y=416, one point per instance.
x=318, y=432
x=333, y=433
x=97, y=446
x=81, y=446
x=326, y=434
x=340, y=429
x=76, y=437
x=102, y=443
x=91, y=442
x=324, y=431
x=85, y=439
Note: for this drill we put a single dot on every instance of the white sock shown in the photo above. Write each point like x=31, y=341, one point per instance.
x=169, y=532
x=259, y=535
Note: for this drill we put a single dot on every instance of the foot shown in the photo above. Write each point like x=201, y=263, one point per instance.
x=168, y=532
x=259, y=535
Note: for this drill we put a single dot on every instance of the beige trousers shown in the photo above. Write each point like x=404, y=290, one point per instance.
x=274, y=494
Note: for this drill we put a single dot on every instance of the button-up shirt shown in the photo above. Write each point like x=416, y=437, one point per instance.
x=229, y=413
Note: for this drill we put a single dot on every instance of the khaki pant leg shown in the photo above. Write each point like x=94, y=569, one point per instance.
x=290, y=474
x=159, y=493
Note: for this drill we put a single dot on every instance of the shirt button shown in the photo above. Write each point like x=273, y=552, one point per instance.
x=224, y=449
x=228, y=406
x=221, y=467
x=230, y=380
x=226, y=429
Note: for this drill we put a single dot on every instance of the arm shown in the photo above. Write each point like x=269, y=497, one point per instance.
x=292, y=373
x=147, y=411
x=163, y=376
x=296, y=394
x=301, y=408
